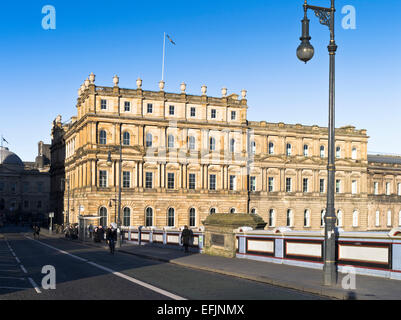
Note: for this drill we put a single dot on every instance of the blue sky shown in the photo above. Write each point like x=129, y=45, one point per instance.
x=235, y=44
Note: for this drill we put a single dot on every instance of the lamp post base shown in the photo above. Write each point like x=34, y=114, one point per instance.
x=330, y=274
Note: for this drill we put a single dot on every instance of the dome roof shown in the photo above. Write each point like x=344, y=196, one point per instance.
x=10, y=158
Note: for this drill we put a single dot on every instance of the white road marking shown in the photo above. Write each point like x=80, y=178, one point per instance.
x=141, y=283
x=23, y=268
x=34, y=285
x=118, y=274
x=18, y=260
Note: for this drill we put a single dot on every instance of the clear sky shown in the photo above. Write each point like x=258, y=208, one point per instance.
x=235, y=44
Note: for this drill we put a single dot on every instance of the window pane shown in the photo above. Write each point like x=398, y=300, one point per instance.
x=192, y=181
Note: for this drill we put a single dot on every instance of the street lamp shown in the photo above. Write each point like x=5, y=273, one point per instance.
x=109, y=163
x=305, y=53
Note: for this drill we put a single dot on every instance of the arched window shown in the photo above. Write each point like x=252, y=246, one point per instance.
x=126, y=138
x=149, y=217
x=103, y=216
x=389, y=218
x=170, y=217
x=102, y=137
x=355, y=216
x=289, y=149
x=354, y=154
x=339, y=218
x=212, y=211
x=338, y=152
x=306, y=218
x=192, y=217
x=232, y=145
x=271, y=148
x=289, y=218
x=322, y=152
x=377, y=219
x=126, y=217
x=171, y=141
x=149, y=140
x=232, y=210
x=272, y=217
x=322, y=215
x=212, y=144
x=191, y=141
x=306, y=150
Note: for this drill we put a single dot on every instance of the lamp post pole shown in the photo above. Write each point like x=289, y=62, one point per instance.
x=305, y=52
x=119, y=193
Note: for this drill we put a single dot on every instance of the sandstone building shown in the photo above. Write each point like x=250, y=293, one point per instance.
x=185, y=157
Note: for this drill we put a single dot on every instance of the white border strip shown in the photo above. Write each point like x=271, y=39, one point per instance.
x=34, y=285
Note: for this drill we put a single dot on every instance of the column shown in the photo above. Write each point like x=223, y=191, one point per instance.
x=140, y=175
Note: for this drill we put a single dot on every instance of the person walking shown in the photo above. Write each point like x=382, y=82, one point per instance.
x=36, y=231
x=111, y=237
x=186, y=237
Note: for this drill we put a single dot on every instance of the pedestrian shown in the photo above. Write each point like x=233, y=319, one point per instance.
x=111, y=237
x=186, y=238
x=36, y=231
x=101, y=233
x=90, y=231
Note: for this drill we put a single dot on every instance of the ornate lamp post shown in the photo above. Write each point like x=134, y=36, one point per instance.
x=109, y=162
x=305, y=52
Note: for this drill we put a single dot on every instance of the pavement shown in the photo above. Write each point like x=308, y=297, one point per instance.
x=297, y=278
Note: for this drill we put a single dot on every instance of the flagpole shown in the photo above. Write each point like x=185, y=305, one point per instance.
x=164, y=53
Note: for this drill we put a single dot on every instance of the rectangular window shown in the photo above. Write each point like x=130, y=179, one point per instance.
x=233, y=115
x=26, y=187
x=338, y=186
x=376, y=188
x=102, y=178
x=193, y=112
x=103, y=104
x=40, y=186
x=26, y=204
x=232, y=183
x=150, y=108
x=39, y=204
x=192, y=181
x=252, y=184
x=388, y=189
x=354, y=187
x=170, y=180
x=149, y=180
x=212, y=182
x=1, y=186
x=127, y=106
x=213, y=114
x=126, y=179
x=288, y=185
x=305, y=185
x=171, y=110
x=271, y=184
x=322, y=183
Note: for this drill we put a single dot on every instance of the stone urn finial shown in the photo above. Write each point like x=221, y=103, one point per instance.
x=224, y=92
x=92, y=78
x=204, y=90
x=183, y=87
x=116, y=80
x=243, y=93
x=161, y=85
x=139, y=83
x=86, y=83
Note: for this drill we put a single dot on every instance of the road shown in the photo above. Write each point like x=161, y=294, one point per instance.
x=90, y=273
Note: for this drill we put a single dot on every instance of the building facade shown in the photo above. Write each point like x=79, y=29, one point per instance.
x=24, y=186
x=185, y=157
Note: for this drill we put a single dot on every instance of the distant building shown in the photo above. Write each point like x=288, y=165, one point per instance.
x=187, y=156
x=25, y=186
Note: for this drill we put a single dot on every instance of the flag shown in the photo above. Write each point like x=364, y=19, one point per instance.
x=5, y=140
x=171, y=40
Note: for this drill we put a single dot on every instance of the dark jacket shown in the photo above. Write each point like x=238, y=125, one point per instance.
x=186, y=236
x=111, y=234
